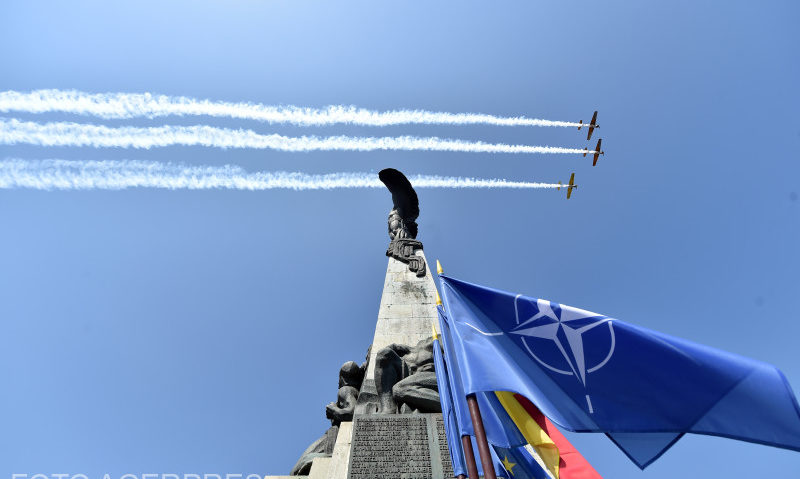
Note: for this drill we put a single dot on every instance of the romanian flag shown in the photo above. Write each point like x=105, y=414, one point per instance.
x=559, y=457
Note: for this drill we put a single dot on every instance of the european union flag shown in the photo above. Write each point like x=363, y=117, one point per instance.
x=519, y=463
x=591, y=373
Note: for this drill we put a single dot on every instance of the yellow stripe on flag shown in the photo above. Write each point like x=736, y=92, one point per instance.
x=531, y=431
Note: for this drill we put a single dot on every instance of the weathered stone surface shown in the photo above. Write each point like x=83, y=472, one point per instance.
x=408, y=307
x=444, y=451
x=404, y=250
x=319, y=468
x=340, y=460
x=397, y=446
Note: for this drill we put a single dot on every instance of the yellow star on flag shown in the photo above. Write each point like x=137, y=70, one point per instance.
x=508, y=465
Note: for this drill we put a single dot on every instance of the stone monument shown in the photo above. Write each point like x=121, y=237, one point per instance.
x=386, y=420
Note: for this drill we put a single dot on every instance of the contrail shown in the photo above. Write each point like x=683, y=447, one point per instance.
x=133, y=105
x=118, y=175
x=14, y=132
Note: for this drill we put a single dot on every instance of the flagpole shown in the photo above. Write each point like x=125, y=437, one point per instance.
x=469, y=458
x=480, y=437
x=466, y=441
x=466, y=444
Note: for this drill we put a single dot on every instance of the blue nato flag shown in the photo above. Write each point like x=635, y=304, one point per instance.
x=591, y=373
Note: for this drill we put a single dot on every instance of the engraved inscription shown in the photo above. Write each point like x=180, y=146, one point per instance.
x=444, y=451
x=390, y=447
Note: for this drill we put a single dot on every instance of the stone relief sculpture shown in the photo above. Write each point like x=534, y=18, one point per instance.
x=402, y=221
x=350, y=378
x=405, y=379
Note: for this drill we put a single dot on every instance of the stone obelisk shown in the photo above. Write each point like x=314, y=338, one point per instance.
x=405, y=439
x=408, y=308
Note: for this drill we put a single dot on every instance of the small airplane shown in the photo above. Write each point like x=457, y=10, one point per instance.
x=570, y=186
x=592, y=125
x=597, y=152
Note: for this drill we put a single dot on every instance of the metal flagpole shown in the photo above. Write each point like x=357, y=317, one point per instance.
x=480, y=437
x=469, y=457
x=466, y=441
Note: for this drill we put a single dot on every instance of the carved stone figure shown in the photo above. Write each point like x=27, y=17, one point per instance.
x=405, y=379
x=350, y=378
x=402, y=218
x=402, y=221
x=351, y=375
x=404, y=249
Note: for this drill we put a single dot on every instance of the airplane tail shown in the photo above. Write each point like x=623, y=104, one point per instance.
x=580, y=124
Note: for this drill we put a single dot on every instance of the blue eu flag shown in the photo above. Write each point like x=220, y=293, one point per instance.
x=591, y=373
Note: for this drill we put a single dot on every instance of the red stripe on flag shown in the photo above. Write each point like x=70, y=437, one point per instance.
x=572, y=464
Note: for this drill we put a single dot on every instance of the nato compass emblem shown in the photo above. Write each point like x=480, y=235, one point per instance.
x=563, y=339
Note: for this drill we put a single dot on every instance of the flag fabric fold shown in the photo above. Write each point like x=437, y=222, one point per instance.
x=459, y=411
x=534, y=434
x=571, y=463
x=448, y=412
x=509, y=442
x=591, y=373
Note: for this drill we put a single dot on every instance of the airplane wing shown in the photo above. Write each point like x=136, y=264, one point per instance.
x=597, y=151
x=571, y=185
x=592, y=126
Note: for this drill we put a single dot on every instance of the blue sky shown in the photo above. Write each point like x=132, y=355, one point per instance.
x=202, y=331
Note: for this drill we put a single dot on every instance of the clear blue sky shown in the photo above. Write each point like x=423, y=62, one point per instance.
x=202, y=332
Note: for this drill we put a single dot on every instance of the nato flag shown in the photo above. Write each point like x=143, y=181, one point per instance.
x=591, y=373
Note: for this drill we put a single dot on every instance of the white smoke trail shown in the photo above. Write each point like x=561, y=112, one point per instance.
x=14, y=132
x=132, y=105
x=118, y=175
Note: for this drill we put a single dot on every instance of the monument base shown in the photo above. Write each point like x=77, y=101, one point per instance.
x=399, y=446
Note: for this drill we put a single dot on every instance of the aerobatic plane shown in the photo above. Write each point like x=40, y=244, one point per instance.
x=570, y=186
x=597, y=152
x=592, y=125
